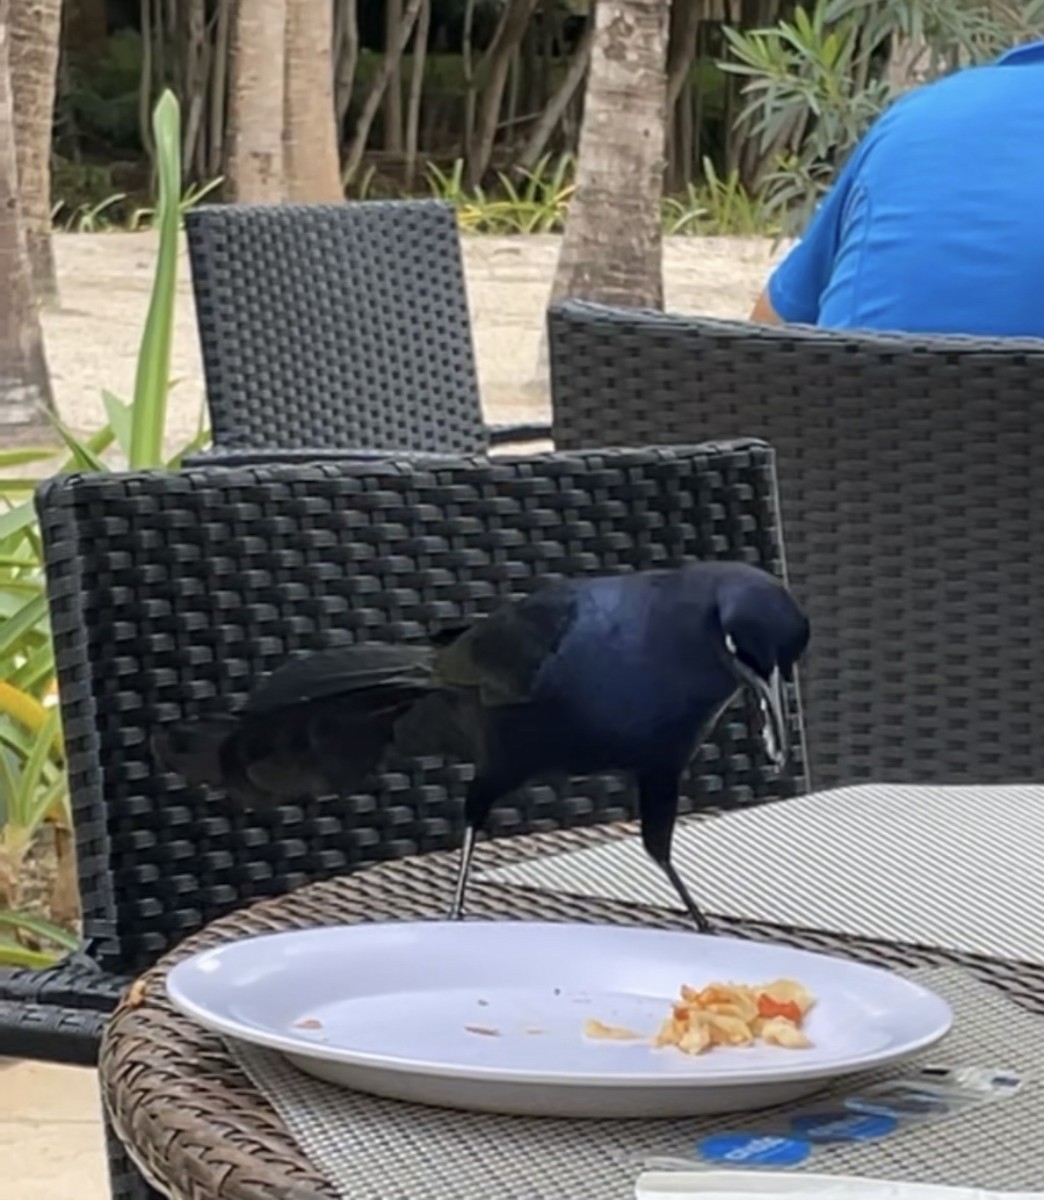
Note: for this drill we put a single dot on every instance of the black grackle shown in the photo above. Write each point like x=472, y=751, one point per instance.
x=621, y=673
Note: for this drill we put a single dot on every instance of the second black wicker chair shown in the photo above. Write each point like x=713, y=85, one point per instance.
x=337, y=327
x=912, y=482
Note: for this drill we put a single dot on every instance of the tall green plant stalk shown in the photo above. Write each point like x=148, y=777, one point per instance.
x=33, y=781
x=152, y=380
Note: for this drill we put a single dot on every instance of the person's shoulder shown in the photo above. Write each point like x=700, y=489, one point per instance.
x=1025, y=55
x=940, y=97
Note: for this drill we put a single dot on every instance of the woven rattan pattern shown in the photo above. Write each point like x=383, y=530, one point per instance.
x=910, y=477
x=202, y=1132
x=173, y=594
x=335, y=325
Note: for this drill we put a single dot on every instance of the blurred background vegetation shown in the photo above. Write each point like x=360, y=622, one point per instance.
x=765, y=99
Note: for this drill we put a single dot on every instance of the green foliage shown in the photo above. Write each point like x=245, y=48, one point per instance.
x=720, y=207
x=538, y=202
x=814, y=83
x=112, y=212
x=195, y=193
x=87, y=218
x=79, y=186
x=97, y=102
x=33, y=784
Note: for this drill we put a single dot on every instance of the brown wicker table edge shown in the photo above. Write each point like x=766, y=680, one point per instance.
x=197, y=1127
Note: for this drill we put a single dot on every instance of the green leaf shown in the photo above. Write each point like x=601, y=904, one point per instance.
x=97, y=443
x=14, y=954
x=17, y=520
x=24, y=621
x=37, y=670
x=13, y=486
x=83, y=457
x=8, y=783
x=44, y=799
x=152, y=381
x=120, y=419
x=28, y=809
x=18, y=458
x=201, y=439
x=40, y=928
x=15, y=738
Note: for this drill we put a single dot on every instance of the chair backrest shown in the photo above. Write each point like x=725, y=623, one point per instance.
x=172, y=594
x=335, y=325
x=911, y=478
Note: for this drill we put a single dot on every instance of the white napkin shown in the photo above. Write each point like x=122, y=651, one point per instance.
x=771, y=1185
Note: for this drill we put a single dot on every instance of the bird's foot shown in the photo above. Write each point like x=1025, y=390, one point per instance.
x=691, y=907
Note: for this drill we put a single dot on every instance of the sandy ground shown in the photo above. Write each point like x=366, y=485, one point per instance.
x=105, y=280
x=50, y=1131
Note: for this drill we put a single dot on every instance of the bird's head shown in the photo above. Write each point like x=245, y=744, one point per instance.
x=765, y=634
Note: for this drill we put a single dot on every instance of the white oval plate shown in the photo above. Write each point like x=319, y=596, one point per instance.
x=488, y=1015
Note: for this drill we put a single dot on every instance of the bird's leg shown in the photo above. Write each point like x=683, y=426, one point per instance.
x=466, y=852
x=658, y=805
x=698, y=917
x=484, y=791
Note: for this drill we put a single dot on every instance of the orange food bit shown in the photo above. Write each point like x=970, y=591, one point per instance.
x=769, y=1008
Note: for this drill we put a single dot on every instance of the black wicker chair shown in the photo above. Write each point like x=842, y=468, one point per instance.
x=911, y=477
x=337, y=326
x=172, y=593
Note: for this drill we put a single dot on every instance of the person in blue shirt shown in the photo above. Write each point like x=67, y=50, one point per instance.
x=935, y=224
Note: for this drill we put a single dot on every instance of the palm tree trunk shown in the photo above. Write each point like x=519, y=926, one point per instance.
x=25, y=387
x=313, y=169
x=255, y=170
x=35, y=38
x=612, y=249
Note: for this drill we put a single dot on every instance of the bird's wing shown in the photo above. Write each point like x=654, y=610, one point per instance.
x=317, y=725
x=502, y=656
x=366, y=667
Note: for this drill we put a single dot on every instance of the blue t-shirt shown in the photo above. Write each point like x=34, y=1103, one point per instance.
x=936, y=222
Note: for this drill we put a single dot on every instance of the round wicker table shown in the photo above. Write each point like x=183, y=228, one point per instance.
x=197, y=1127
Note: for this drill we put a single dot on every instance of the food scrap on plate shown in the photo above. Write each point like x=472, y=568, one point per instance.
x=600, y=1031
x=726, y=1014
x=730, y=1014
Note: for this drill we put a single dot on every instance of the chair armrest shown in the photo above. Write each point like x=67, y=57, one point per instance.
x=57, y=1014
x=534, y=431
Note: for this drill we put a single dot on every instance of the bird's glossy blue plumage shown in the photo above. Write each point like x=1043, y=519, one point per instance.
x=639, y=672
x=626, y=672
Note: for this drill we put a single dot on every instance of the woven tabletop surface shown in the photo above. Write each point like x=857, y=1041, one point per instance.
x=200, y=1130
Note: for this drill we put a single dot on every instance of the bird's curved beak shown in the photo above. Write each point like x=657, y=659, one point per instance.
x=770, y=699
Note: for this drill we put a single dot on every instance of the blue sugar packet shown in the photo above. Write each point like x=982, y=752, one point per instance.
x=866, y=1114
